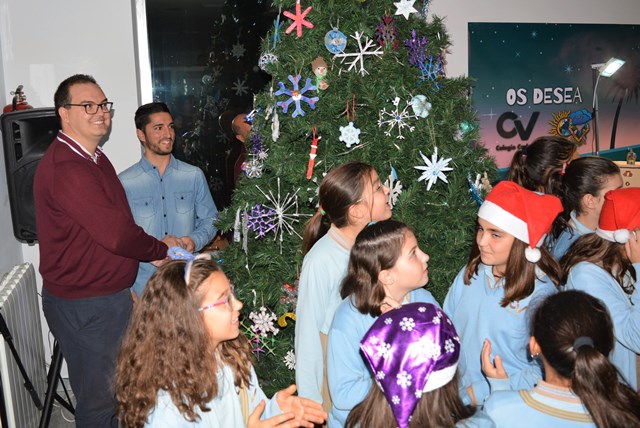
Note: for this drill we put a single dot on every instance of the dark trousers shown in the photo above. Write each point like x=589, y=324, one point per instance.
x=89, y=332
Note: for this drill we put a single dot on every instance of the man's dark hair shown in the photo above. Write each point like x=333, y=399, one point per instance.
x=62, y=97
x=141, y=117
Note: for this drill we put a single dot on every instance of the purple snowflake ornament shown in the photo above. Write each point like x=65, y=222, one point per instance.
x=296, y=95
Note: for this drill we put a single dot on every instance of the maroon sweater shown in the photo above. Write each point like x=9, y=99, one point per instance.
x=89, y=243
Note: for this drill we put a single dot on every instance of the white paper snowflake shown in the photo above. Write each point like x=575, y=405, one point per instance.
x=404, y=379
x=240, y=87
x=395, y=187
x=358, y=57
x=407, y=324
x=267, y=59
x=434, y=168
x=395, y=117
x=449, y=346
x=405, y=8
x=263, y=322
x=349, y=135
x=290, y=360
x=237, y=50
x=286, y=213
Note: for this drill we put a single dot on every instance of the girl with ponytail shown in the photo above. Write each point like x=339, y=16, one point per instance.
x=572, y=335
x=351, y=196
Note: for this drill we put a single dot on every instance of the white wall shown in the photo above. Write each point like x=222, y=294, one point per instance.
x=458, y=13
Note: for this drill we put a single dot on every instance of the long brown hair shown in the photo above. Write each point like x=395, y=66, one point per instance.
x=440, y=408
x=377, y=247
x=610, y=256
x=342, y=187
x=520, y=274
x=167, y=346
x=557, y=323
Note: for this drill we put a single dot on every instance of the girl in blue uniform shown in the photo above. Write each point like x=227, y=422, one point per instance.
x=351, y=196
x=386, y=269
x=507, y=272
x=606, y=265
x=572, y=334
x=584, y=185
x=185, y=364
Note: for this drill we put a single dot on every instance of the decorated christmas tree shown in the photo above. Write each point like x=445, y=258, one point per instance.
x=386, y=100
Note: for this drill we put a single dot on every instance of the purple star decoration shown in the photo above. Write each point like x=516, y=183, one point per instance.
x=417, y=49
x=261, y=220
x=296, y=95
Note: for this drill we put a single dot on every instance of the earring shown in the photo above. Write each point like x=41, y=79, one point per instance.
x=534, y=356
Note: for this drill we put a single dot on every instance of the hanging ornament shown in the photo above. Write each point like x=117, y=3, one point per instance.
x=425, y=6
x=291, y=295
x=275, y=126
x=358, y=57
x=335, y=41
x=421, y=107
x=417, y=47
x=237, y=50
x=298, y=19
x=296, y=95
x=263, y=322
x=312, y=154
x=260, y=220
x=319, y=67
x=267, y=59
x=282, y=320
x=290, y=360
x=395, y=187
x=277, y=28
x=253, y=167
x=405, y=8
x=395, y=117
x=481, y=186
x=387, y=32
x=349, y=134
x=431, y=70
x=433, y=169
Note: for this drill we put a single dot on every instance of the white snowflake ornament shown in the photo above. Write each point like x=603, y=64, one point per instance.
x=358, y=57
x=433, y=169
x=405, y=8
x=263, y=322
x=290, y=360
x=395, y=187
x=267, y=59
x=421, y=107
x=395, y=117
x=349, y=135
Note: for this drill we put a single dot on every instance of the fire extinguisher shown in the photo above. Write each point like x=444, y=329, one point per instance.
x=19, y=101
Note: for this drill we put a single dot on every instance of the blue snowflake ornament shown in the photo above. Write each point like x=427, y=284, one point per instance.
x=349, y=135
x=296, y=95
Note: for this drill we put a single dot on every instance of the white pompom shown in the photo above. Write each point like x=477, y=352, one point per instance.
x=532, y=254
x=621, y=236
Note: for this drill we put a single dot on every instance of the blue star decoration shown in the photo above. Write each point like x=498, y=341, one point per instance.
x=296, y=95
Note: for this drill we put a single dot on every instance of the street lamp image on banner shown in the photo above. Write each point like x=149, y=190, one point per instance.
x=606, y=69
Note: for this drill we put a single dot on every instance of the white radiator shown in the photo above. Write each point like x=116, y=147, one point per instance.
x=19, y=307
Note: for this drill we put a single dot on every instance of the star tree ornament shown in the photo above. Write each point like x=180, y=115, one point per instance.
x=298, y=19
x=405, y=8
x=358, y=57
x=433, y=169
x=394, y=185
x=395, y=118
x=296, y=95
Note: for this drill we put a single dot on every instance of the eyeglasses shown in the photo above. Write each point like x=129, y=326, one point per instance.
x=226, y=300
x=91, y=108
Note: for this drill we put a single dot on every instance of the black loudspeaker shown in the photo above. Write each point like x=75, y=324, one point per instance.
x=26, y=135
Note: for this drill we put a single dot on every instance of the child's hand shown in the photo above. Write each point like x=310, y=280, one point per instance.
x=285, y=420
x=488, y=367
x=308, y=412
x=632, y=247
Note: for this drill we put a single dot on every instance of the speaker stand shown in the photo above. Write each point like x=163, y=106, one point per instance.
x=52, y=384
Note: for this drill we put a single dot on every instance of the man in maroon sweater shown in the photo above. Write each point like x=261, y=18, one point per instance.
x=90, y=246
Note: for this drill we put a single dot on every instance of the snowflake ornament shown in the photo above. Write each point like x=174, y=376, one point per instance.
x=387, y=32
x=421, y=106
x=296, y=95
x=290, y=360
x=240, y=87
x=237, y=50
x=395, y=117
x=277, y=29
x=431, y=70
x=434, y=169
x=253, y=167
x=298, y=19
x=395, y=187
x=267, y=59
x=349, y=135
x=263, y=322
x=358, y=57
x=405, y=8
x=335, y=41
x=260, y=220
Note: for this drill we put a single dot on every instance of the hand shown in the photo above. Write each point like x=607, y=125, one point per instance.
x=284, y=420
x=187, y=243
x=135, y=297
x=158, y=263
x=172, y=241
x=632, y=247
x=308, y=412
x=493, y=369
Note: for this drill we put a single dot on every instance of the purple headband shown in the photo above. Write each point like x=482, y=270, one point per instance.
x=411, y=350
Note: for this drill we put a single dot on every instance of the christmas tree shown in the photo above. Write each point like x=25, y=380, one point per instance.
x=387, y=102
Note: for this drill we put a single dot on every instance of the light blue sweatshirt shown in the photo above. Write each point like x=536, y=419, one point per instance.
x=348, y=375
x=623, y=308
x=568, y=236
x=323, y=269
x=476, y=312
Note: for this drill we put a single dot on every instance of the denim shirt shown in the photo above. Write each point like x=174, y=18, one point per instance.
x=178, y=203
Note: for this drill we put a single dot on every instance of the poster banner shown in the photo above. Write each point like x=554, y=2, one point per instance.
x=538, y=79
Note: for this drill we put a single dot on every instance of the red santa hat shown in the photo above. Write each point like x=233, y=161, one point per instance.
x=620, y=214
x=526, y=215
